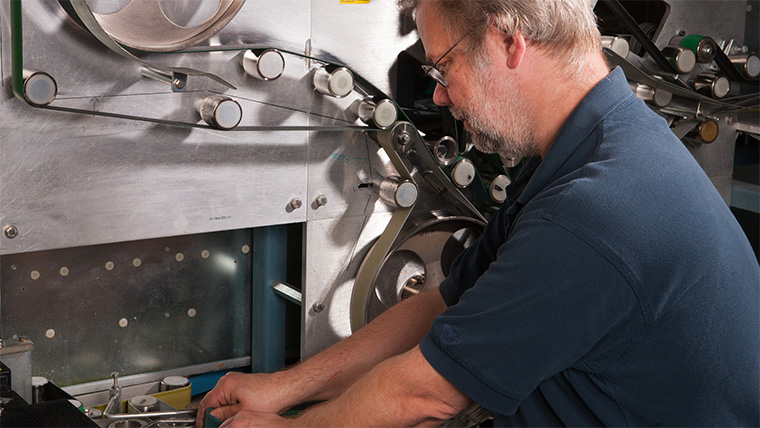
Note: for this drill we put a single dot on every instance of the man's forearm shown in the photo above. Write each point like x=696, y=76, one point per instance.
x=330, y=372
x=402, y=391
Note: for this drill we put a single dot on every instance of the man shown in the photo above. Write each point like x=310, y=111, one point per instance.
x=612, y=288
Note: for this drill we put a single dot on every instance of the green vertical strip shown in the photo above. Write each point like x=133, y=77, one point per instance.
x=17, y=56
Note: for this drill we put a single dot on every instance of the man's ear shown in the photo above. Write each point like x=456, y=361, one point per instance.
x=515, y=46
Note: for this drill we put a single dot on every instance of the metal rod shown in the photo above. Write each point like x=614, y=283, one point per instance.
x=286, y=291
x=150, y=414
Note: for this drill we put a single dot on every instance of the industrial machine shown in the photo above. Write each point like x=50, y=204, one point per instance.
x=190, y=187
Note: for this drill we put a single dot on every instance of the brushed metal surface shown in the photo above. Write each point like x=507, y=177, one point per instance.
x=121, y=165
x=134, y=307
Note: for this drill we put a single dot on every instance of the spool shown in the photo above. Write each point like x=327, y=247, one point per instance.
x=497, y=188
x=616, y=44
x=462, y=173
x=703, y=47
x=39, y=88
x=706, y=132
x=338, y=83
x=683, y=59
x=220, y=112
x=747, y=64
x=658, y=97
x=265, y=65
x=445, y=150
x=712, y=85
x=399, y=193
x=382, y=114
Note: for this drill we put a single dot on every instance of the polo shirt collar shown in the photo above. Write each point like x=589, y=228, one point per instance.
x=598, y=103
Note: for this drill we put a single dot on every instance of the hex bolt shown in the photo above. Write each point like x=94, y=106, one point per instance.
x=179, y=83
x=321, y=200
x=11, y=231
x=296, y=203
x=404, y=138
x=318, y=307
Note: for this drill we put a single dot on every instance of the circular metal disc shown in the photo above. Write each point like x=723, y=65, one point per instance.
x=420, y=260
x=144, y=25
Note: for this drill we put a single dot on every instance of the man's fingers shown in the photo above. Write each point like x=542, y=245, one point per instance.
x=225, y=412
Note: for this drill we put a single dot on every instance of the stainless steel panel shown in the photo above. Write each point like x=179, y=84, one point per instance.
x=334, y=250
x=80, y=179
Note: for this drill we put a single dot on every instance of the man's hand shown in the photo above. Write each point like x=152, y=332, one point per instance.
x=249, y=418
x=237, y=391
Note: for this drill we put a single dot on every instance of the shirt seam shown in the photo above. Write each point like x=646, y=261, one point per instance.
x=506, y=393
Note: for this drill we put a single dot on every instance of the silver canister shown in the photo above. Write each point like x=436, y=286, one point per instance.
x=266, y=64
x=337, y=83
x=170, y=383
x=219, y=111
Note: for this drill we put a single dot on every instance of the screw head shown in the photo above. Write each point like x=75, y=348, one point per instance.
x=11, y=231
x=321, y=200
x=296, y=203
x=318, y=307
x=404, y=138
x=179, y=83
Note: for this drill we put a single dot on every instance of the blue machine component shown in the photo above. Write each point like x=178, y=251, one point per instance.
x=268, y=311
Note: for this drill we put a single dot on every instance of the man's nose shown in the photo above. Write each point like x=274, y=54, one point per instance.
x=441, y=95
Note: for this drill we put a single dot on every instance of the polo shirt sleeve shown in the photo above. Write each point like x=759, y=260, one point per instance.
x=474, y=260
x=539, y=308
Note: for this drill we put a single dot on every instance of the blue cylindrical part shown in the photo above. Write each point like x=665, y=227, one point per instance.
x=268, y=311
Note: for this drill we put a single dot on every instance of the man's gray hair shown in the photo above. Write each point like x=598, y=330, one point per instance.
x=564, y=28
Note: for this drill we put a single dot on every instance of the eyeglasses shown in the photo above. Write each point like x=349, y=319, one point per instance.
x=433, y=70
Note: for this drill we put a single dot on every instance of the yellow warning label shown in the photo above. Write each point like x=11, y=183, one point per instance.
x=354, y=1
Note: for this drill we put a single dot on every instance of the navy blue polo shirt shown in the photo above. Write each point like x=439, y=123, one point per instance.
x=614, y=287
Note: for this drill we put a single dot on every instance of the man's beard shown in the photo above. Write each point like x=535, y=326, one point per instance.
x=496, y=118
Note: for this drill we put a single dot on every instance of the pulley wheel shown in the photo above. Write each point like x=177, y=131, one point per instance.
x=419, y=260
x=146, y=24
